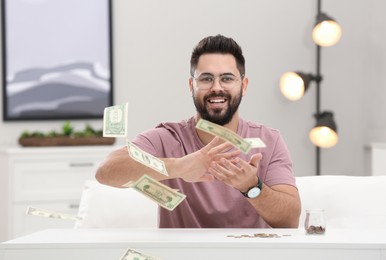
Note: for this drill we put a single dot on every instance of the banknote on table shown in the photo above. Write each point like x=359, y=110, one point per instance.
x=132, y=254
x=165, y=196
x=115, y=120
x=49, y=214
x=146, y=159
x=224, y=133
x=255, y=142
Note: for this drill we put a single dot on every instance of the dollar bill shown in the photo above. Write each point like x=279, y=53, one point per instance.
x=224, y=133
x=255, y=142
x=132, y=254
x=115, y=120
x=128, y=184
x=146, y=159
x=163, y=195
x=49, y=214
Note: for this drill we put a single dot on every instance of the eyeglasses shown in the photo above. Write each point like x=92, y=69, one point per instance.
x=206, y=81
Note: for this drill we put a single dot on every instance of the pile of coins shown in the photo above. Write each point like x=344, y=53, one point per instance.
x=315, y=230
x=258, y=235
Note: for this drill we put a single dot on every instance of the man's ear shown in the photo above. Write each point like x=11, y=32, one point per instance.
x=245, y=85
x=191, y=85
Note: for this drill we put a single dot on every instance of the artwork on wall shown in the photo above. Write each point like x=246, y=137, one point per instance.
x=57, y=59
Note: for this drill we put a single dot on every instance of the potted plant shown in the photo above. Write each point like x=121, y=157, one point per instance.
x=67, y=136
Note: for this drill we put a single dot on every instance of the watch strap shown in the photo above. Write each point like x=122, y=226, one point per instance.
x=259, y=185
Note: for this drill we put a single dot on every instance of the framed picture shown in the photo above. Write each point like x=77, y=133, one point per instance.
x=57, y=59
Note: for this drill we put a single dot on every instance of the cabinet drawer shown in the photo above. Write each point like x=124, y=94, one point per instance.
x=52, y=180
x=25, y=224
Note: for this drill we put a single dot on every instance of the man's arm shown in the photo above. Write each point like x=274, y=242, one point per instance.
x=278, y=205
x=119, y=168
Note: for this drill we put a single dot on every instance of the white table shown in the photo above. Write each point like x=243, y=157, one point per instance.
x=170, y=244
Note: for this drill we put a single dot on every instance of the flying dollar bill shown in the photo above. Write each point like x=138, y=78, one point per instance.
x=132, y=254
x=163, y=195
x=49, y=214
x=255, y=142
x=146, y=159
x=128, y=184
x=224, y=133
x=115, y=120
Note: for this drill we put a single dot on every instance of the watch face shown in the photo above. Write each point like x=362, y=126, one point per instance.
x=254, y=192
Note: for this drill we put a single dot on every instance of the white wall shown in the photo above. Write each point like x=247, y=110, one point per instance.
x=153, y=41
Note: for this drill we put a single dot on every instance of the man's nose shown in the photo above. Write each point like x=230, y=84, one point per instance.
x=216, y=84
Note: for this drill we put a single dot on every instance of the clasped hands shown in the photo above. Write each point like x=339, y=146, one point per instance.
x=218, y=161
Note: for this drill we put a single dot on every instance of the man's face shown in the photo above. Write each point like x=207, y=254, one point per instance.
x=217, y=104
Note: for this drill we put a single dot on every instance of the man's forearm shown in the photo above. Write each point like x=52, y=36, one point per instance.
x=279, y=206
x=119, y=168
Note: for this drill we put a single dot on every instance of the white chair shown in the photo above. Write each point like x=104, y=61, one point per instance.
x=103, y=206
x=348, y=201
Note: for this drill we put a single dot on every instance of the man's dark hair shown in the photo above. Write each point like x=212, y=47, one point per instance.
x=218, y=44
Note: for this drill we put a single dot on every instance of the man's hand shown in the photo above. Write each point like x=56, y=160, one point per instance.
x=236, y=172
x=194, y=167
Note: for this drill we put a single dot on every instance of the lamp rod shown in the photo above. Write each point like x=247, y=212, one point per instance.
x=319, y=4
x=318, y=75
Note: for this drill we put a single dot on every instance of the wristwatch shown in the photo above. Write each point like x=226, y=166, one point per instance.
x=253, y=192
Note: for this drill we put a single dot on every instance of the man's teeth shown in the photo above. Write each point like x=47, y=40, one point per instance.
x=217, y=100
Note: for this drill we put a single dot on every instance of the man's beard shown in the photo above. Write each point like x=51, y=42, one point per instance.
x=215, y=116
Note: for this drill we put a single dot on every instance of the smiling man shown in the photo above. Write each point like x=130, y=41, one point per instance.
x=223, y=188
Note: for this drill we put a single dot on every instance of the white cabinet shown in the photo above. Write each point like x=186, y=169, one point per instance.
x=378, y=158
x=50, y=178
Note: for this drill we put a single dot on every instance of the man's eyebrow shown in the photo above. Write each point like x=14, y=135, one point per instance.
x=206, y=74
x=222, y=74
x=227, y=74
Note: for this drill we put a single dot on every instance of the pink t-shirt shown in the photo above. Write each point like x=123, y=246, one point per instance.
x=215, y=204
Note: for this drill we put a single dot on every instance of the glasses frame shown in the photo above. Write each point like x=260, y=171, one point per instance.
x=217, y=76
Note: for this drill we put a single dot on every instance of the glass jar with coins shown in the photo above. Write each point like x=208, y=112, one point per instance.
x=315, y=222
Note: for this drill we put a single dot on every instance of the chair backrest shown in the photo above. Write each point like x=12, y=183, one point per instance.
x=348, y=201
x=103, y=206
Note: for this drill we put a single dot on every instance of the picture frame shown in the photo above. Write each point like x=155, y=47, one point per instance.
x=56, y=59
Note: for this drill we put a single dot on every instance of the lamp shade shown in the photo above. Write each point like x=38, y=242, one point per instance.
x=324, y=134
x=327, y=32
x=294, y=84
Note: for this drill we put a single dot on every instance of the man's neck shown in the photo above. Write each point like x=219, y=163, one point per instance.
x=206, y=137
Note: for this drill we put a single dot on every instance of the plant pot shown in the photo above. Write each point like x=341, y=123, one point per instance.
x=65, y=141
